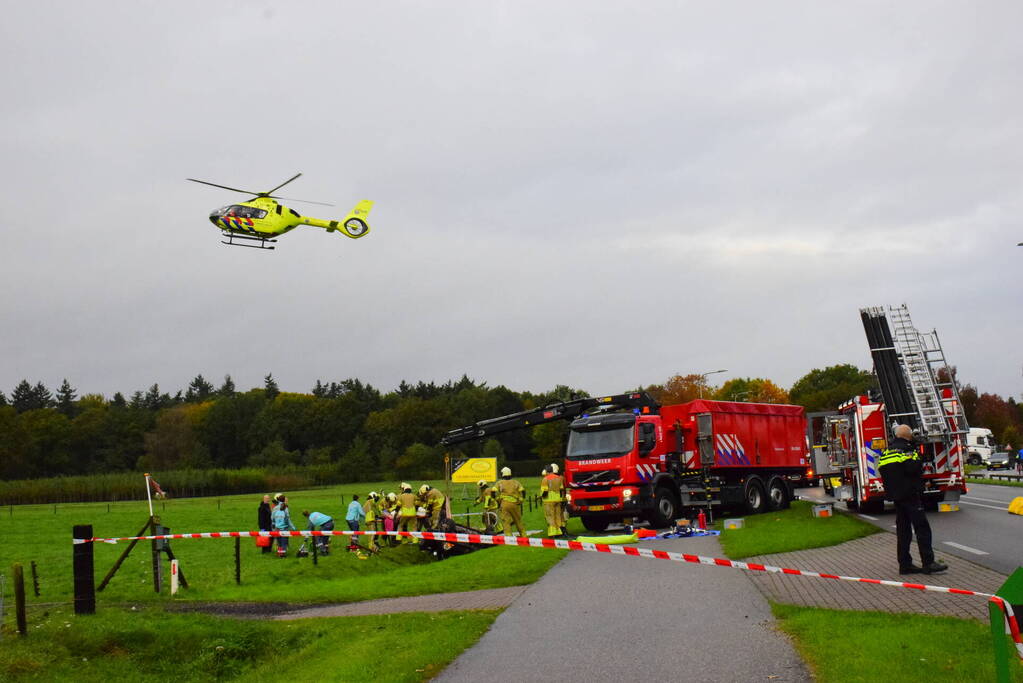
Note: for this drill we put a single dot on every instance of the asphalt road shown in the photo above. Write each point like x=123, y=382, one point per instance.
x=982, y=531
x=610, y=618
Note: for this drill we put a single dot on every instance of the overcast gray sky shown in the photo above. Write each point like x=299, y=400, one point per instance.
x=590, y=193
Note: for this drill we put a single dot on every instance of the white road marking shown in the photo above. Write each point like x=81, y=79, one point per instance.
x=981, y=505
x=987, y=500
x=966, y=548
x=867, y=517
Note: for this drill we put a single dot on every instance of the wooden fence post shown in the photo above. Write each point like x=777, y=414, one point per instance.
x=238, y=560
x=19, y=598
x=35, y=578
x=157, y=565
x=84, y=571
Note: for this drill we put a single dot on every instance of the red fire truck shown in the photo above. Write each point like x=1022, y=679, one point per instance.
x=629, y=458
x=916, y=388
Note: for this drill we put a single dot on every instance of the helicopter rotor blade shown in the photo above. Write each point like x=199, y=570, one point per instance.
x=223, y=187
x=270, y=192
x=304, y=201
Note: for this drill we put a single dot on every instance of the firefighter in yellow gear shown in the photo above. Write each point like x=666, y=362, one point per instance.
x=374, y=520
x=488, y=499
x=552, y=492
x=433, y=500
x=406, y=511
x=389, y=507
x=510, y=495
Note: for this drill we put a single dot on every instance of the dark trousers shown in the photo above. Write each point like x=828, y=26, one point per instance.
x=269, y=547
x=324, y=541
x=910, y=519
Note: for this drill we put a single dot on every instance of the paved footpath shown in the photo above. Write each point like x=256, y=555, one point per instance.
x=492, y=598
x=595, y=617
x=873, y=557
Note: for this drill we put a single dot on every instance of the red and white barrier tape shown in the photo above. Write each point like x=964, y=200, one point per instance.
x=1012, y=625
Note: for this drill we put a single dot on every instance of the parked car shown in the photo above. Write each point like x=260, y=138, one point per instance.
x=998, y=461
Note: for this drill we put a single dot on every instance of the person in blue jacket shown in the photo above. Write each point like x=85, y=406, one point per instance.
x=326, y=523
x=282, y=522
x=354, y=517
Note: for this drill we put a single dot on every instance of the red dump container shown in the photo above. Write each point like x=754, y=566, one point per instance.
x=262, y=541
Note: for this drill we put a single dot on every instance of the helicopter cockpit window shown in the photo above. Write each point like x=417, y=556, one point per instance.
x=247, y=211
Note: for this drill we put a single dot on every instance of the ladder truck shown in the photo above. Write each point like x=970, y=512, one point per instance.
x=917, y=389
x=630, y=458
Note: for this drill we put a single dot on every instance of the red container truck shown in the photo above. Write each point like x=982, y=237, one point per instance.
x=629, y=458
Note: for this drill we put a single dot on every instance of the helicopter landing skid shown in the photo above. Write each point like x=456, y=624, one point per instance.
x=261, y=242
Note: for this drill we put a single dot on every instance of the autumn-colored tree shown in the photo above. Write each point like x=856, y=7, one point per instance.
x=994, y=413
x=751, y=390
x=681, y=389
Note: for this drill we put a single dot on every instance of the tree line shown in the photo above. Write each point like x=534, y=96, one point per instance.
x=350, y=426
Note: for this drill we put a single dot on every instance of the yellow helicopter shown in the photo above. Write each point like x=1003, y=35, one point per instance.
x=258, y=221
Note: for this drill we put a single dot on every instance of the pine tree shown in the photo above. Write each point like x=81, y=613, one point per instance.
x=23, y=398
x=270, y=385
x=43, y=397
x=66, y=399
x=154, y=400
x=199, y=390
x=227, y=388
x=320, y=390
x=3, y=399
x=118, y=400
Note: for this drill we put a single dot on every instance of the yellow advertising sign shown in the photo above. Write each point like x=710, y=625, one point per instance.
x=472, y=470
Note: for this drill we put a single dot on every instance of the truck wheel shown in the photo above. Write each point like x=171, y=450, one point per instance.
x=973, y=460
x=755, y=495
x=777, y=494
x=663, y=514
x=872, y=506
x=594, y=523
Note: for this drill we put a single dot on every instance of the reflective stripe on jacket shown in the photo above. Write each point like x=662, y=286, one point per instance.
x=509, y=491
x=551, y=488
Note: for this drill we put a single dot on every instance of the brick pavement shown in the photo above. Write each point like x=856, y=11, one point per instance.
x=492, y=598
x=873, y=557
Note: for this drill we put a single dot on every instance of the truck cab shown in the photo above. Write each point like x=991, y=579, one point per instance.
x=980, y=444
x=612, y=461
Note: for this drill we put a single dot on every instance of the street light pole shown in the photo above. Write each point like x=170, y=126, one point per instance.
x=703, y=378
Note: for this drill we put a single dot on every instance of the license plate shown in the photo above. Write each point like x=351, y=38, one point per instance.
x=598, y=507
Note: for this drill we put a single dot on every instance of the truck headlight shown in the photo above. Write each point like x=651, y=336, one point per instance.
x=568, y=496
x=626, y=493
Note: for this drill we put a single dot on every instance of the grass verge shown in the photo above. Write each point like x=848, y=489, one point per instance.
x=793, y=529
x=43, y=533
x=994, y=482
x=852, y=646
x=151, y=645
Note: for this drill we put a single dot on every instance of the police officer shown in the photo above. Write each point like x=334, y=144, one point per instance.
x=901, y=471
x=510, y=495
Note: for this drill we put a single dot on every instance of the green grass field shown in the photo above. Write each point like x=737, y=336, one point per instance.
x=973, y=479
x=152, y=645
x=792, y=529
x=862, y=647
x=43, y=534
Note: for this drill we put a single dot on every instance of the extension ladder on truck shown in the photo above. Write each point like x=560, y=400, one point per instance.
x=919, y=390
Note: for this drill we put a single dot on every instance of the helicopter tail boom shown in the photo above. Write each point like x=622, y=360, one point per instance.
x=353, y=225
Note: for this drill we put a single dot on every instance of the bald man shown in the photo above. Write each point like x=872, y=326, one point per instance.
x=901, y=471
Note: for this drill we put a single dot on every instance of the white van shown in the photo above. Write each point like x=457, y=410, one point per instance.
x=980, y=444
